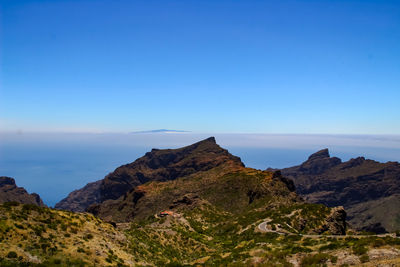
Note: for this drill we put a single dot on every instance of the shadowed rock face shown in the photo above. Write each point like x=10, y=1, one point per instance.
x=157, y=165
x=362, y=186
x=10, y=192
x=79, y=199
x=319, y=162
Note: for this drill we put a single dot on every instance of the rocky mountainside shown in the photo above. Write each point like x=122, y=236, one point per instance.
x=200, y=207
x=157, y=165
x=229, y=188
x=9, y=191
x=193, y=234
x=369, y=190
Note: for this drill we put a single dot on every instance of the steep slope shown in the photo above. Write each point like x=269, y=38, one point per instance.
x=229, y=188
x=9, y=191
x=364, y=187
x=46, y=237
x=79, y=199
x=191, y=235
x=157, y=165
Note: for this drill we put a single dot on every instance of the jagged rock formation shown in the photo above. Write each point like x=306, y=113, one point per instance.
x=9, y=191
x=157, y=165
x=368, y=190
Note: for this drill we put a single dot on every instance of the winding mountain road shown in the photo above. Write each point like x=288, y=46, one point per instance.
x=263, y=228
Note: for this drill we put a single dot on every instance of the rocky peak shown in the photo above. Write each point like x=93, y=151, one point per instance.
x=4, y=180
x=166, y=164
x=207, y=140
x=324, y=153
x=353, y=163
x=319, y=162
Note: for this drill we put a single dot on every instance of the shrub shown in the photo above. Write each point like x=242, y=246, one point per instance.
x=26, y=208
x=378, y=243
x=331, y=246
x=10, y=204
x=63, y=227
x=364, y=258
x=12, y=254
x=44, y=246
x=359, y=250
x=19, y=226
x=89, y=236
x=316, y=259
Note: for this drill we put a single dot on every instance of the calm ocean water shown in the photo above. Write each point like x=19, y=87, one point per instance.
x=54, y=169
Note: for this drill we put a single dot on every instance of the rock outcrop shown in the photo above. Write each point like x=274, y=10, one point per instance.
x=9, y=191
x=367, y=189
x=157, y=165
x=335, y=223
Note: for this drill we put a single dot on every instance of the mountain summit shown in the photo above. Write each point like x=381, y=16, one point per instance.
x=157, y=165
x=324, y=153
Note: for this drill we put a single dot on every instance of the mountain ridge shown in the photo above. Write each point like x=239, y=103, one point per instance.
x=352, y=184
x=156, y=165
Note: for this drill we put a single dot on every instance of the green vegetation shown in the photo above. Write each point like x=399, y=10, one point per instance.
x=31, y=235
x=208, y=235
x=319, y=259
x=207, y=230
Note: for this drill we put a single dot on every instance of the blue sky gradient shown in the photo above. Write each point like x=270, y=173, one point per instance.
x=203, y=66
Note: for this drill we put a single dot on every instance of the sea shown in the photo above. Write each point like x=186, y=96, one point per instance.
x=54, y=164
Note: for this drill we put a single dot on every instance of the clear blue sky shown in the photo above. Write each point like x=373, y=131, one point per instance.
x=204, y=66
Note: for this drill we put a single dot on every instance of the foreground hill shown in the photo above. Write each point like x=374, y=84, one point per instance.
x=157, y=165
x=9, y=191
x=191, y=235
x=39, y=235
x=369, y=190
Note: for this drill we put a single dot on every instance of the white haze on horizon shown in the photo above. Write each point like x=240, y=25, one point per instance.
x=179, y=139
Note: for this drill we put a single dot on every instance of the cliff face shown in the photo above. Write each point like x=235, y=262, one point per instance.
x=364, y=187
x=157, y=165
x=9, y=191
x=79, y=199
